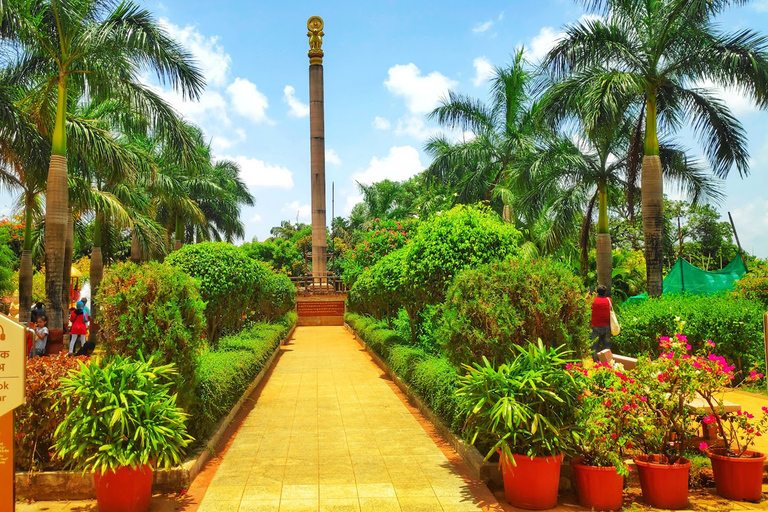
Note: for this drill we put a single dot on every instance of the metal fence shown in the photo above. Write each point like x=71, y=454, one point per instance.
x=326, y=284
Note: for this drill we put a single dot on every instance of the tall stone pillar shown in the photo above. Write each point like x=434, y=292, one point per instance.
x=317, y=146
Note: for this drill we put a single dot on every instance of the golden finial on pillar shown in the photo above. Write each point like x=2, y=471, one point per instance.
x=315, y=26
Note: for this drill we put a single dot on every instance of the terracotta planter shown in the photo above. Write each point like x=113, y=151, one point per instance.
x=663, y=485
x=738, y=478
x=532, y=483
x=124, y=490
x=598, y=488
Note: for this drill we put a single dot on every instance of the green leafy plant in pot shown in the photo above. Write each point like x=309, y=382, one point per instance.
x=524, y=409
x=121, y=419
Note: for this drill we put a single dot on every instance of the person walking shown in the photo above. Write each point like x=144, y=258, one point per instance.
x=87, y=311
x=601, y=322
x=79, y=329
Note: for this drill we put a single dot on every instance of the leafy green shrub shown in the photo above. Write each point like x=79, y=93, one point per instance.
x=227, y=278
x=490, y=308
x=381, y=339
x=273, y=294
x=282, y=255
x=154, y=309
x=435, y=380
x=403, y=359
x=754, y=285
x=223, y=375
x=461, y=238
x=734, y=323
x=378, y=291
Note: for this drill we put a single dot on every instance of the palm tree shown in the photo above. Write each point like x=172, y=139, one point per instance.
x=657, y=53
x=91, y=45
x=503, y=131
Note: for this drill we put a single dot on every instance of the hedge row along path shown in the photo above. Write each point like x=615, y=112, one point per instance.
x=329, y=432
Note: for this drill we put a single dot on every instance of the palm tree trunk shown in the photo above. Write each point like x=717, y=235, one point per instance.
x=97, y=272
x=136, y=255
x=603, y=252
x=179, y=236
x=653, y=203
x=56, y=207
x=67, y=278
x=25, y=267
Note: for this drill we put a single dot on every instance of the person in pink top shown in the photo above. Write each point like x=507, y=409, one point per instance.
x=601, y=321
x=79, y=322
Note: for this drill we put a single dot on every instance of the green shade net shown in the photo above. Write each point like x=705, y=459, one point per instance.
x=684, y=277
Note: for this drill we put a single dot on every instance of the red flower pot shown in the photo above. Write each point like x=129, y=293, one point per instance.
x=532, y=483
x=664, y=485
x=598, y=488
x=124, y=490
x=738, y=478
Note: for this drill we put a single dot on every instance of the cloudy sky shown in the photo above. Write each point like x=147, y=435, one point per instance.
x=387, y=64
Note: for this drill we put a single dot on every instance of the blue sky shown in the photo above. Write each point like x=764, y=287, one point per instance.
x=387, y=63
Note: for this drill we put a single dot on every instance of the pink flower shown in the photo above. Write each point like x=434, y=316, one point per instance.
x=687, y=347
x=703, y=446
x=765, y=409
x=709, y=419
x=626, y=407
x=569, y=366
x=710, y=343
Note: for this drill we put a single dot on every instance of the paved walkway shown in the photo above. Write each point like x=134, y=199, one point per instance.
x=329, y=433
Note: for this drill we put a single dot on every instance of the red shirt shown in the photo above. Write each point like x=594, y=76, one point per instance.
x=78, y=323
x=601, y=312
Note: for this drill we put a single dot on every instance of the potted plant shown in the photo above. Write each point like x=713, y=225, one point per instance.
x=738, y=470
x=604, y=423
x=121, y=419
x=665, y=422
x=524, y=410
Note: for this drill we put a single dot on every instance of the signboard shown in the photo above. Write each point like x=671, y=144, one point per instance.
x=13, y=348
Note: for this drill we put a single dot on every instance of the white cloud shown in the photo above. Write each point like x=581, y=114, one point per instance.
x=221, y=143
x=761, y=6
x=733, y=98
x=332, y=157
x=544, y=41
x=401, y=163
x=213, y=60
x=482, y=27
x=483, y=70
x=381, y=123
x=255, y=219
x=751, y=221
x=501, y=16
x=304, y=210
x=298, y=109
x=247, y=100
x=422, y=93
x=257, y=173
x=415, y=127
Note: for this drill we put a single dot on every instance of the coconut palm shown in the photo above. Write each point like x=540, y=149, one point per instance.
x=659, y=53
x=98, y=46
x=502, y=132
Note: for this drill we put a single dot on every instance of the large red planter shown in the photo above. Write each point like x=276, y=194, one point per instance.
x=738, y=478
x=598, y=488
x=664, y=485
x=532, y=483
x=124, y=490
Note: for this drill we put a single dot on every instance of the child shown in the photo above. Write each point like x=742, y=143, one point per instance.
x=40, y=334
x=79, y=327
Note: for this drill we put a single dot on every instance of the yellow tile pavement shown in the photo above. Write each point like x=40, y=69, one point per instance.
x=329, y=433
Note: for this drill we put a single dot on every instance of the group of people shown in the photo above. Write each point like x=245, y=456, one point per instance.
x=79, y=320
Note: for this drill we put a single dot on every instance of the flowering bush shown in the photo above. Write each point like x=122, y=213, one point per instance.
x=753, y=285
x=665, y=421
x=738, y=429
x=607, y=415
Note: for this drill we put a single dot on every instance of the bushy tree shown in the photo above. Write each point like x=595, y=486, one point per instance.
x=492, y=307
x=227, y=278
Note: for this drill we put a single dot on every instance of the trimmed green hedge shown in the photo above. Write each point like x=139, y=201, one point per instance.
x=433, y=378
x=224, y=374
x=734, y=324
